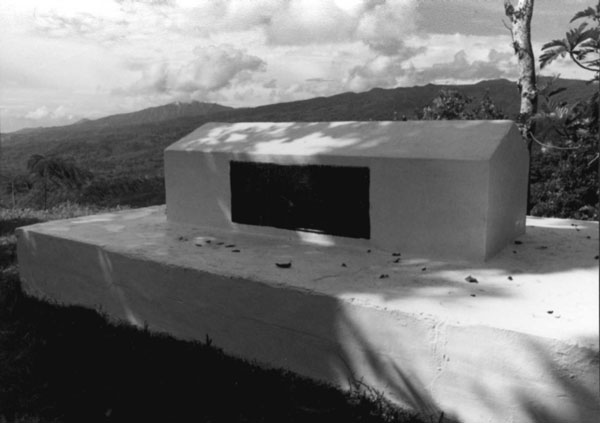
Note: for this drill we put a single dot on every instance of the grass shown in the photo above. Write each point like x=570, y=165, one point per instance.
x=63, y=364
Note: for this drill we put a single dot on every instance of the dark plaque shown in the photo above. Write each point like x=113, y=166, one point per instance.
x=332, y=200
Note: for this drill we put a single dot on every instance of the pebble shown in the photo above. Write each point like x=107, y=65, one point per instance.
x=203, y=240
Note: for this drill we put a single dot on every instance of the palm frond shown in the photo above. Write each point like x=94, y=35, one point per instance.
x=575, y=36
x=552, y=54
x=555, y=43
x=587, y=13
x=33, y=161
x=556, y=91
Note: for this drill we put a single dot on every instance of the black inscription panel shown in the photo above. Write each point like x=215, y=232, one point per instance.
x=332, y=200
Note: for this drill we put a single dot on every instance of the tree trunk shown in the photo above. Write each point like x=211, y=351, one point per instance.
x=520, y=18
x=12, y=191
x=45, y=193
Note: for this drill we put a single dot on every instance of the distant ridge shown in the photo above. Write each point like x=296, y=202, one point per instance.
x=375, y=104
x=28, y=130
x=394, y=103
x=154, y=115
x=133, y=143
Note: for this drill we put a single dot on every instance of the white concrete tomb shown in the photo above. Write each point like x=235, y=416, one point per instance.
x=511, y=339
x=454, y=189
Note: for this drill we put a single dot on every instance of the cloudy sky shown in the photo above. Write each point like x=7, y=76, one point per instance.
x=61, y=61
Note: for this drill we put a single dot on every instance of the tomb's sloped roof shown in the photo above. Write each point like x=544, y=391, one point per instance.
x=449, y=140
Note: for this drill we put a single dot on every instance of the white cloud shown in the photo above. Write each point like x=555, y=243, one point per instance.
x=39, y=113
x=310, y=22
x=107, y=23
x=59, y=113
x=381, y=71
x=216, y=67
x=290, y=23
x=210, y=69
x=63, y=19
x=60, y=26
x=17, y=117
x=384, y=69
x=376, y=23
x=147, y=2
x=461, y=69
x=99, y=57
x=385, y=27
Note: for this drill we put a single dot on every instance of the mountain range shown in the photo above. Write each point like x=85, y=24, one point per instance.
x=155, y=114
x=149, y=115
x=133, y=143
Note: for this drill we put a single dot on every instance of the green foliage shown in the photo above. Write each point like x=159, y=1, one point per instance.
x=454, y=105
x=66, y=210
x=487, y=109
x=49, y=173
x=565, y=183
x=564, y=170
x=448, y=105
x=56, y=170
x=565, y=167
x=132, y=191
x=582, y=43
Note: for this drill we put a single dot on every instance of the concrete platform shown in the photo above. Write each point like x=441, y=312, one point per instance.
x=519, y=345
